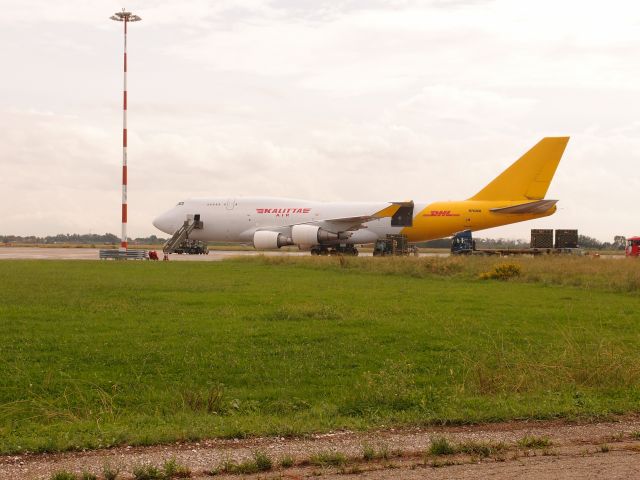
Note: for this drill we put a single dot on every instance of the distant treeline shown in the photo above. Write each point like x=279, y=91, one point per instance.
x=109, y=238
x=79, y=239
x=619, y=243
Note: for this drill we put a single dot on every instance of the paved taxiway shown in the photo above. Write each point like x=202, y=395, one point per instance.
x=35, y=253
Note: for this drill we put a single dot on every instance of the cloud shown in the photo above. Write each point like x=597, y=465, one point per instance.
x=339, y=101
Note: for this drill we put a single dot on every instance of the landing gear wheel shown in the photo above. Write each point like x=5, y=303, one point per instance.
x=315, y=251
x=355, y=252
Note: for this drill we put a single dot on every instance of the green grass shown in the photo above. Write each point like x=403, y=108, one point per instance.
x=147, y=472
x=171, y=469
x=260, y=462
x=64, y=475
x=531, y=441
x=328, y=459
x=104, y=353
x=441, y=446
x=287, y=461
x=481, y=448
x=371, y=452
x=109, y=473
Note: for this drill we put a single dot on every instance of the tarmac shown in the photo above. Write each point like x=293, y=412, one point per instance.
x=70, y=253
x=38, y=253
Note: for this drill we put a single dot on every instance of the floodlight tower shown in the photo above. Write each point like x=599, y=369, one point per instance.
x=124, y=17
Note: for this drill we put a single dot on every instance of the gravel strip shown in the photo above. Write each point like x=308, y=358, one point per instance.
x=576, y=452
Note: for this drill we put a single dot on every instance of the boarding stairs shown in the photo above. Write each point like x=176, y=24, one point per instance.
x=181, y=235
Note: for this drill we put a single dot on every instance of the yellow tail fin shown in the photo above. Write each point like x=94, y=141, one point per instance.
x=530, y=176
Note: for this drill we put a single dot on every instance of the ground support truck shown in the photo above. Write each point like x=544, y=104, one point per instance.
x=541, y=244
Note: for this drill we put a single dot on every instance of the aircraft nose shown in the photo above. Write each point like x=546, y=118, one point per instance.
x=163, y=223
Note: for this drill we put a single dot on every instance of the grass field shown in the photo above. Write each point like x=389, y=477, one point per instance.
x=103, y=353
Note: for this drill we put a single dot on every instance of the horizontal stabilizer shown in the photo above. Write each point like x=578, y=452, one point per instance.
x=539, y=206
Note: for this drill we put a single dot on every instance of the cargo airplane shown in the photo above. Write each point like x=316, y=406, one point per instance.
x=516, y=195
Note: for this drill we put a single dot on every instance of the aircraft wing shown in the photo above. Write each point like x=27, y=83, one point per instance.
x=538, y=206
x=346, y=224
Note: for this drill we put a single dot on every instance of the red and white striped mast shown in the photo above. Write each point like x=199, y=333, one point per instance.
x=124, y=17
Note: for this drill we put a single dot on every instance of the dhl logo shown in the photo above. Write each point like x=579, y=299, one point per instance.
x=441, y=213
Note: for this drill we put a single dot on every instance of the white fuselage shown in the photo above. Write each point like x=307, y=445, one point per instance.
x=237, y=219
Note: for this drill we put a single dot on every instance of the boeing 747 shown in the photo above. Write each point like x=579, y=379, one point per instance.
x=516, y=195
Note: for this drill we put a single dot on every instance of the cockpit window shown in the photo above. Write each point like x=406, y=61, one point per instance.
x=179, y=203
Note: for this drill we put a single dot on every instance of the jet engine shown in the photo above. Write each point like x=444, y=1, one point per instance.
x=312, y=235
x=265, y=240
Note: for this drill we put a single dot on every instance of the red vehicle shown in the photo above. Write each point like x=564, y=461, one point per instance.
x=633, y=247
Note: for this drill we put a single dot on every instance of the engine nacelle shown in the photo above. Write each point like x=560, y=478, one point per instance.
x=311, y=235
x=266, y=240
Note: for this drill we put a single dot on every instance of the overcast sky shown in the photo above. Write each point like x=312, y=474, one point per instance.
x=321, y=100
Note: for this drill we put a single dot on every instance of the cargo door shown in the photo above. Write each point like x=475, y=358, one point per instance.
x=403, y=217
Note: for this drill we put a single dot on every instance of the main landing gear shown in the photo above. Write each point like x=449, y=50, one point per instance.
x=335, y=250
